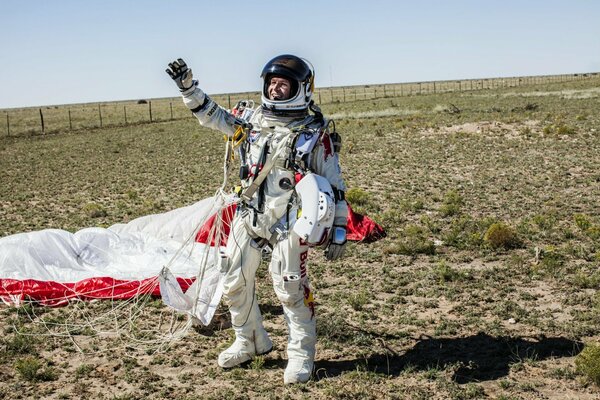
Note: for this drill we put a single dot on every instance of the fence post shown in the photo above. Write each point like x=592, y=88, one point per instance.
x=344, y=91
x=320, y=97
x=229, y=100
x=100, y=115
x=7, y=125
x=125, y=113
x=42, y=121
x=70, y=123
x=150, y=110
x=171, y=106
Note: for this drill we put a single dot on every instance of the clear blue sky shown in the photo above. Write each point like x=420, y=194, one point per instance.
x=67, y=51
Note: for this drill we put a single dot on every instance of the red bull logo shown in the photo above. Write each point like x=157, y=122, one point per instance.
x=309, y=300
x=303, y=258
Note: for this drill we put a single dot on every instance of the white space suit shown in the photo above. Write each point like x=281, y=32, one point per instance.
x=287, y=142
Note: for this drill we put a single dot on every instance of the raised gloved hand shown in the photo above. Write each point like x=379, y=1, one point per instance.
x=337, y=245
x=181, y=74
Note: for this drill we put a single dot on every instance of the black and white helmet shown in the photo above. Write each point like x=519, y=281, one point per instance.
x=301, y=75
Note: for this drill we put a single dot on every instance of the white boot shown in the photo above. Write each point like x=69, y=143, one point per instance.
x=301, y=343
x=251, y=339
x=298, y=371
x=246, y=346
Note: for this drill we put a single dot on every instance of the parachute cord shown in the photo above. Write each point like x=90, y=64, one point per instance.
x=122, y=318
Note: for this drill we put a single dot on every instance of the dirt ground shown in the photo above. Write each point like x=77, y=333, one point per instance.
x=438, y=309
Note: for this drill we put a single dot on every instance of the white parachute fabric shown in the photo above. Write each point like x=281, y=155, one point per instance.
x=55, y=266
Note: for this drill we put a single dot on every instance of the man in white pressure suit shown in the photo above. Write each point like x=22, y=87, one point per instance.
x=291, y=198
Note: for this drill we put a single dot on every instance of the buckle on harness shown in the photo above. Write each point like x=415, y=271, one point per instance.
x=263, y=245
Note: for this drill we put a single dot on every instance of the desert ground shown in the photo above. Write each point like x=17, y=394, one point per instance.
x=486, y=285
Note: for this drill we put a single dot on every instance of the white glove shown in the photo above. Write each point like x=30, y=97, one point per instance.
x=182, y=75
x=337, y=245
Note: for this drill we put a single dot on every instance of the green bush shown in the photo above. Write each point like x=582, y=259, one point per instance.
x=94, y=210
x=413, y=241
x=467, y=233
x=20, y=344
x=593, y=232
x=558, y=129
x=444, y=273
x=451, y=203
x=552, y=261
x=357, y=196
x=582, y=221
x=33, y=370
x=588, y=363
x=500, y=235
x=358, y=300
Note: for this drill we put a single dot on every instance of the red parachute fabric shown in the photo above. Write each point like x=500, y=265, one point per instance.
x=360, y=228
x=226, y=216
x=52, y=293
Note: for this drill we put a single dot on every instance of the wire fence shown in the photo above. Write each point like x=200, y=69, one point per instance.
x=64, y=118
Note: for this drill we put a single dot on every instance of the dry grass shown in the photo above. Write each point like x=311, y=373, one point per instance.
x=465, y=321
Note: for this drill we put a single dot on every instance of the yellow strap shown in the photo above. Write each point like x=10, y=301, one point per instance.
x=238, y=137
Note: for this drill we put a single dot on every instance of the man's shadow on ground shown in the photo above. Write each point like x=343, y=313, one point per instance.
x=476, y=358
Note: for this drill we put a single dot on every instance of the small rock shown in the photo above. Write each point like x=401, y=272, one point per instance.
x=512, y=321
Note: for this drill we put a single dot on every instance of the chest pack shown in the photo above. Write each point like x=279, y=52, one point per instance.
x=290, y=147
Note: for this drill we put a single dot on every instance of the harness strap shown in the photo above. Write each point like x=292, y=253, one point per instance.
x=247, y=193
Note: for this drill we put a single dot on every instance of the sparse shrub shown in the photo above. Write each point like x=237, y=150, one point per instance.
x=257, y=363
x=467, y=233
x=413, y=241
x=588, y=362
x=84, y=370
x=500, y=235
x=414, y=206
x=33, y=370
x=558, y=129
x=545, y=221
x=452, y=203
x=593, y=232
x=357, y=196
x=391, y=217
x=444, y=273
x=430, y=223
x=20, y=344
x=94, y=210
x=358, y=300
x=552, y=261
x=587, y=280
x=132, y=194
x=565, y=130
